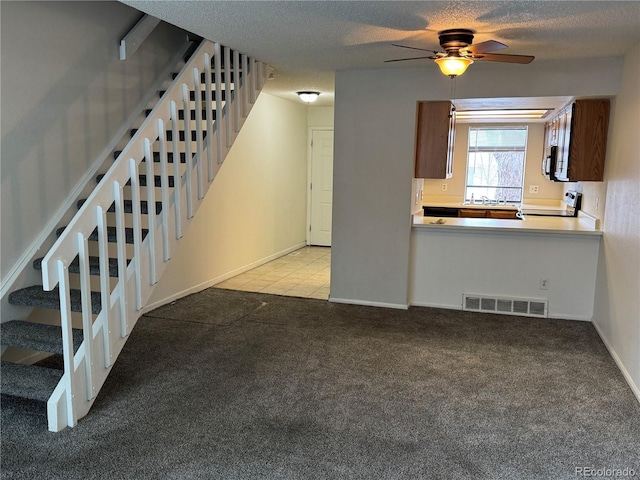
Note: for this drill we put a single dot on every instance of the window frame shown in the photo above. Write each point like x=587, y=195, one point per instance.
x=523, y=150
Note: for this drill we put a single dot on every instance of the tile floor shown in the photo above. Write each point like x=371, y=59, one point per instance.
x=303, y=273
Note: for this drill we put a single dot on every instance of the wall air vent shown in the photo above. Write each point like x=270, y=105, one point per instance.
x=525, y=307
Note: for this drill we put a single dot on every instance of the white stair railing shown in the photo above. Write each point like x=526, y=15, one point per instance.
x=141, y=264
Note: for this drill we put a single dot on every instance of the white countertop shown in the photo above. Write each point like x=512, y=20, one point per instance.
x=523, y=206
x=582, y=225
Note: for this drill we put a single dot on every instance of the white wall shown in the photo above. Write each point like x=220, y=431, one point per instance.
x=373, y=159
x=320, y=117
x=448, y=263
x=256, y=207
x=617, y=301
x=65, y=94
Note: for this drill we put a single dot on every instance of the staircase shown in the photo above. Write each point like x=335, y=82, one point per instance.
x=103, y=267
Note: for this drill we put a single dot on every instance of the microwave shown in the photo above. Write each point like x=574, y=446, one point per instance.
x=549, y=163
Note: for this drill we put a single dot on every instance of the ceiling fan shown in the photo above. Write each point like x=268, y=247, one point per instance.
x=459, y=52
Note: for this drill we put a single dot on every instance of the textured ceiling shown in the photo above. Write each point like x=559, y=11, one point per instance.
x=307, y=41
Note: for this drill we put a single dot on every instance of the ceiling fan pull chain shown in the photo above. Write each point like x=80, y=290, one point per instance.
x=453, y=89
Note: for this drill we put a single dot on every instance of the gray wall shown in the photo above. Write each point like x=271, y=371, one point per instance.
x=65, y=94
x=616, y=307
x=373, y=159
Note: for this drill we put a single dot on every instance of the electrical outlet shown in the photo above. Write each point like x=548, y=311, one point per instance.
x=544, y=284
x=444, y=187
x=533, y=188
x=417, y=198
x=597, y=202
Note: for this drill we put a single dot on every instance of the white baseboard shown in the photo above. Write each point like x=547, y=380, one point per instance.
x=367, y=303
x=625, y=373
x=436, y=305
x=221, y=278
x=570, y=317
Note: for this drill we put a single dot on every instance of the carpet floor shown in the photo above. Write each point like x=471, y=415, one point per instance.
x=238, y=385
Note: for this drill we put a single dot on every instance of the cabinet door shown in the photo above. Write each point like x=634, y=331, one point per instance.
x=589, y=127
x=580, y=131
x=433, y=137
x=564, y=144
x=472, y=212
x=553, y=132
x=509, y=214
x=547, y=138
x=452, y=139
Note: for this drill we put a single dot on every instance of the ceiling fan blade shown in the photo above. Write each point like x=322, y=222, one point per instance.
x=497, y=57
x=413, y=48
x=404, y=59
x=488, y=46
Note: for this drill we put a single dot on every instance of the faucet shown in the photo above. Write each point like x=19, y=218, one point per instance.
x=485, y=200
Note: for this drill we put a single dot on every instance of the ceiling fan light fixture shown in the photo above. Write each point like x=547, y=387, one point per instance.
x=453, y=65
x=308, y=97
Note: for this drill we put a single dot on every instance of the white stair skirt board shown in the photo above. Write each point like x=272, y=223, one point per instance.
x=132, y=40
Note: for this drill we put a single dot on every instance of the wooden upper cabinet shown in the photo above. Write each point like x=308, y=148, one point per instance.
x=435, y=135
x=588, y=147
x=581, y=140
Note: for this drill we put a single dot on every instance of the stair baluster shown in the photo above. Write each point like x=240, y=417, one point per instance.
x=109, y=316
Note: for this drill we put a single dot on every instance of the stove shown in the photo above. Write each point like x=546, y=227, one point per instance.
x=571, y=201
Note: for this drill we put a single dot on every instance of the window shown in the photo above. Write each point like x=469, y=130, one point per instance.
x=495, y=163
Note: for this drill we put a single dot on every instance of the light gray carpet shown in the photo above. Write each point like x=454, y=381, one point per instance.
x=236, y=385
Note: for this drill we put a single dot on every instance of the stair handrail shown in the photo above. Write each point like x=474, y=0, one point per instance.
x=121, y=304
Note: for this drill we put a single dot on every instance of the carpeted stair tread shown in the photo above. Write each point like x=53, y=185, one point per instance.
x=36, y=296
x=157, y=179
x=36, y=336
x=29, y=381
x=94, y=265
x=128, y=206
x=111, y=234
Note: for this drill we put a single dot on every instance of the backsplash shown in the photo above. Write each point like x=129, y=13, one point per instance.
x=594, y=196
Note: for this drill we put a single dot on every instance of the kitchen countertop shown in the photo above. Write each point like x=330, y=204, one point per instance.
x=582, y=225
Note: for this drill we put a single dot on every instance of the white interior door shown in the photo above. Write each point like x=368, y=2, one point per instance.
x=321, y=187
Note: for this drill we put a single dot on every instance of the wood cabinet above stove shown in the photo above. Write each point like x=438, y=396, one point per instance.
x=579, y=131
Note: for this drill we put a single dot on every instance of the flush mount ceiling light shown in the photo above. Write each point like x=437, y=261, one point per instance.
x=308, y=97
